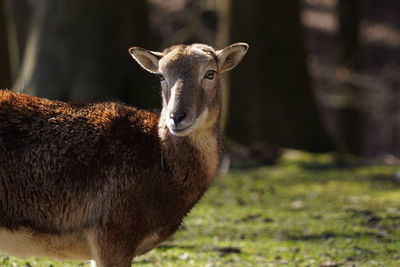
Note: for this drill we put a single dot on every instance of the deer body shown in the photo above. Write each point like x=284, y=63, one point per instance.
x=106, y=181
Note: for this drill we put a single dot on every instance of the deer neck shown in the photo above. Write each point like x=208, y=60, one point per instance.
x=193, y=158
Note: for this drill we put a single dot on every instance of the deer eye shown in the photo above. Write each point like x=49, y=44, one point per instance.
x=161, y=77
x=210, y=75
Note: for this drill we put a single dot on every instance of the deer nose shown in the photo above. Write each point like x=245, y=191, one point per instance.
x=177, y=117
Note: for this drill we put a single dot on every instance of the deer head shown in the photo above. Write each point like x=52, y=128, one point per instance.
x=190, y=77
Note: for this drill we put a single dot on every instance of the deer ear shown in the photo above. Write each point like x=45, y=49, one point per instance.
x=230, y=56
x=146, y=58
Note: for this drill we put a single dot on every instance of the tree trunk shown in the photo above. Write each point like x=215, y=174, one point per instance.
x=18, y=18
x=5, y=64
x=77, y=51
x=271, y=96
x=349, y=22
x=350, y=117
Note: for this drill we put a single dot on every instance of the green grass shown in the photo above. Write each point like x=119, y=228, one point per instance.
x=301, y=212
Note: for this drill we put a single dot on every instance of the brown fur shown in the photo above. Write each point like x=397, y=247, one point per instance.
x=105, y=180
x=108, y=157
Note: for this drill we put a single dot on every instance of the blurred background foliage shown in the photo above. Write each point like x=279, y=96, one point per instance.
x=320, y=75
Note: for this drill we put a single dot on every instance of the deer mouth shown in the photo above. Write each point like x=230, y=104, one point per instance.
x=198, y=123
x=182, y=131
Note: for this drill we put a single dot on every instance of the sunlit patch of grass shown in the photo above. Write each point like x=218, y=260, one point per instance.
x=302, y=212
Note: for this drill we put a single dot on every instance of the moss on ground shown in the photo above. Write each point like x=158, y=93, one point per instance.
x=301, y=212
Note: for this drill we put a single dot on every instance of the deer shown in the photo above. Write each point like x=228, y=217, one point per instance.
x=107, y=181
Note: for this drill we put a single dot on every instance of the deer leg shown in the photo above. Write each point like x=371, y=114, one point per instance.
x=111, y=249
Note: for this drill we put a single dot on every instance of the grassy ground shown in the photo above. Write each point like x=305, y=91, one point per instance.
x=302, y=212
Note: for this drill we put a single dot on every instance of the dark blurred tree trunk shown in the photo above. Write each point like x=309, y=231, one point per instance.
x=5, y=64
x=350, y=117
x=349, y=21
x=19, y=14
x=77, y=51
x=271, y=96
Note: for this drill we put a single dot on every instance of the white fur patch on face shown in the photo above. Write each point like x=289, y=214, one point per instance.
x=202, y=119
x=171, y=105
